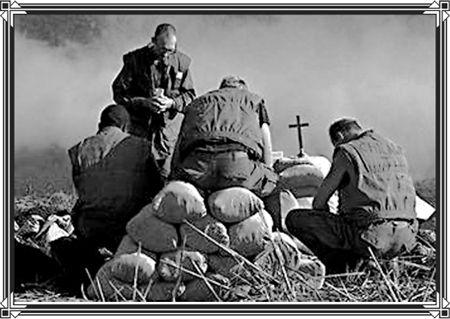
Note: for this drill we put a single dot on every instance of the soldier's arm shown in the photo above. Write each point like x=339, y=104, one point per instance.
x=73, y=156
x=122, y=83
x=187, y=93
x=264, y=123
x=267, y=143
x=332, y=181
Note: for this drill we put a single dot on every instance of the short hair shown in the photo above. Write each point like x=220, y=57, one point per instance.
x=114, y=115
x=164, y=28
x=232, y=81
x=343, y=126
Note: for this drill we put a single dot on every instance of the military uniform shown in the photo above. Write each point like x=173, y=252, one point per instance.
x=115, y=175
x=142, y=73
x=376, y=204
x=220, y=143
x=220, y=146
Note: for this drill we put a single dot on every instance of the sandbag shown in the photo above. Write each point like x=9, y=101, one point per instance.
x=198, y=290
x=309, y=191
x=223, y=265
x=163, y=291
x=112, y=289
x=322, y=163
x=129, y=246
x=305, y=202
x=233, y=205
x=301, y=180
x=248, y=237
x=212, y=228
x=286, y=162
x=292, y=259
x=153, y=234
x=178, y=201
x=168, y=265
x=287, y=203
x=128, y=266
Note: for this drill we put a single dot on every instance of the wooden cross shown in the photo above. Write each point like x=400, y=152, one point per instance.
x=299, y=126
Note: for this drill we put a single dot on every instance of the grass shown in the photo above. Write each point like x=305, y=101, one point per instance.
x=42, y=172
x=408, y=284
x=407, y=278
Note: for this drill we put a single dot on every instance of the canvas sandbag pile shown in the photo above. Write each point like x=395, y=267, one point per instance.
x=178, y=247
x=302, y=176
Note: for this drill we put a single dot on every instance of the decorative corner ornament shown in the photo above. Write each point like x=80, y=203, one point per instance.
x=440, y=10
x=8, y=10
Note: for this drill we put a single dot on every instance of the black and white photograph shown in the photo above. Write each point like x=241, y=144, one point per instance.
x=189, y=158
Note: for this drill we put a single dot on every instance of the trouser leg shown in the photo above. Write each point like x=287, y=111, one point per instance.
x=279, y=203
x=163, y=134
x=272, y=205
x=330, y=237
x=196, y=168
x=262, y=180
x=211, y=173
x=391, y=237
x=214, y=172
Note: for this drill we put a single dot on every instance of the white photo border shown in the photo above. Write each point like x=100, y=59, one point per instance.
x=9, y=308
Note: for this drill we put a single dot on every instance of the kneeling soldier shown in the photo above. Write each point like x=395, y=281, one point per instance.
x=376, y=201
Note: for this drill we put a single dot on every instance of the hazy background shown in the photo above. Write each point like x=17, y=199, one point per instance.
x=377, y=68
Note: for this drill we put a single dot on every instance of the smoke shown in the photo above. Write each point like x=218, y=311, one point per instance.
x=379, y=69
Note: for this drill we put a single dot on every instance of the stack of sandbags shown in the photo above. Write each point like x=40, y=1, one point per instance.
x=186, y=240
x=242, y=212
x=236, y=219
x=250, y=230
x=174, y=258
x=303, y=176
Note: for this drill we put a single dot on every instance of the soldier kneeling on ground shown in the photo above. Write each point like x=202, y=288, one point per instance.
x=225, y=142
x=376, y=201
x=115, y=175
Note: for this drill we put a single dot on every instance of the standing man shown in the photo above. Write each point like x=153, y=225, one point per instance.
x=155, y=85
x=376, y=201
